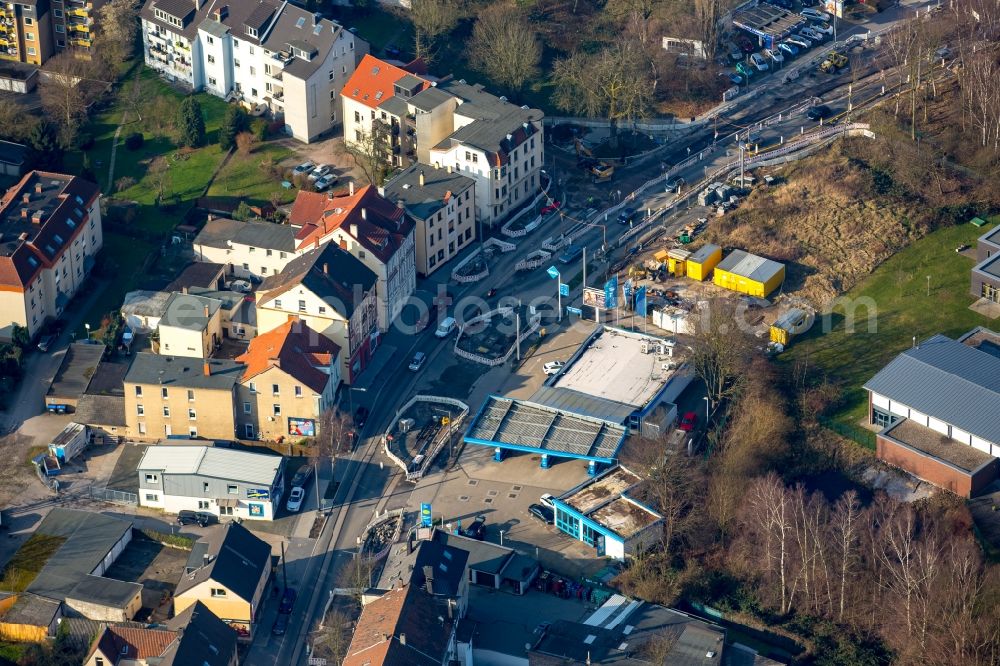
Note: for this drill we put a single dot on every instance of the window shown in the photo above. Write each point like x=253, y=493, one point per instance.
x=203, y=504
x=567, y=523
x=98, y=661
x=138, y=391
x=152, y=478
x=277, y=302
x=58, y=13
x=248, y=428
x=263, y=270
x=253, y=33
x=302, y=306
x=166, y=412
x=219, y=592
x=30, y=36
x=236, y=64
x=277, y=409
x=192, y=432
x=251, y=48
x=190, y=395
x=275, y=389
x=298, y=391
x=322, y=310
x=233, y=489
x=253, y=387
x=142, y=428
x=212, y=81
x=139, y=410
x=204, y=486
x=211, y=40
x=246, y=407
x=152, y=497
x=281, y=255
x=60, y=27
x=211, y=59
x=192, y=415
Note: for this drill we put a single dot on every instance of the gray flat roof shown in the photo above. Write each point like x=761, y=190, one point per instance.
x=989, y=266
x=518, y=424
x=104, y=591
x=947, y=380
x=212, y=461
x=77, y=367
x=183, y=372
x=992, y=236
x=268, y=235
x=187, y=311
x=422, y=201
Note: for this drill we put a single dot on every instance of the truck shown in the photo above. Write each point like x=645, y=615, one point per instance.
x=834, y=61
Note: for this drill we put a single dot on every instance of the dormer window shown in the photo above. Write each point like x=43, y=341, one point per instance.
x=252, y=32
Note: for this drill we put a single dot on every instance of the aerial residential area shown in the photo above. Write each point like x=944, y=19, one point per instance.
x=499, y=333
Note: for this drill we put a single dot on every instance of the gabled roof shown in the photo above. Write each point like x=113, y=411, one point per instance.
x=440, y=563
x=223, y=233
x=296, y=350
x=237, y=561
x=376, y=223
x=373, y=80
x=214, y=462
x=949, y=381
x=422, y=201
x=189, y=311
x=329, y=272
x=204, y=638
x=750, y=266
x=118, y=642
x=403, y=627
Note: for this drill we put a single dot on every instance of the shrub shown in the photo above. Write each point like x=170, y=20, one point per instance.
x=84, y=141
x=134, y=141
x=245, y=142
x=259, y=129
x=234, y=122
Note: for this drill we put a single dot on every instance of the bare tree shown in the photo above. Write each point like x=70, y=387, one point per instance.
x=370, y=150
x=334, y=640
x=119, y=28
x=67, y=92
x=159, y=172
x=845, y=527
x=634, y=16
x=673, y=482
x=431, y=20
x=505, y=47
x=707, y=16
x=721, y=351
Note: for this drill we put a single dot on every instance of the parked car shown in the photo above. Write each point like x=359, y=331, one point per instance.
x=418, y=361
x=542, y=513
x=812, y=34
x=361, y=417
x=735, y=54
x=302, y=476
x=551, y=208
x=818, y=112
x=287, y=600
x=295, y=498
x=805, y=39
x=305, y=167
x=319, y=171
x=790, y=49
x=815, y=15
x=774, y=55
x=546, y=500
x=733, y=77
x=823, y=28
x=744, y=69
x=760, y=62
x=45, y=342
x=280, y=625
x=202, y=518
x=445, y=328
x=801, y=42
x=553, y=367
x=477, y=530
x=325, y=182
x=688, y=422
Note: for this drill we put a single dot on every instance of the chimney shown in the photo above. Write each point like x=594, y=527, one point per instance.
x=350, y=188
x=206, y=559
x=354, y=230
x=364, y=213
x=210, y=217
x=207, y=369
x=26, y=197
x=317, y=17
x=448, y=168
x=184, y=289
x=421, y=179
x=24, y=213
x=206, y=312
x=429, y=579
x=36, y=217
x=222, y=13
x=402, y=640
x=326, y=268
x=38, y=188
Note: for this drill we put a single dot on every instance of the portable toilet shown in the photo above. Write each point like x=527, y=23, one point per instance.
x=792, y=323
x=676, y=265
x=702, y=261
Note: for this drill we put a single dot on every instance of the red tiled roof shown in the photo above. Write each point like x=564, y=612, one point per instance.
x=296, y=349
x=120, y=642
x=406, y=613
x=381, y=229
x=373, y=79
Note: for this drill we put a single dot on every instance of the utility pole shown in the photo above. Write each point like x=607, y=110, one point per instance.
x=284, y=572
x=584, y=266
x=316, y=483
x=517, y=332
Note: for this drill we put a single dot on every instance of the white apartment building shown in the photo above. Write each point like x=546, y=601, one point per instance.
x=270, y=56
x=50, y=233
x=248, y=250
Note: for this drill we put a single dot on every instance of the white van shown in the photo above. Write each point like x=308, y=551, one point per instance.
x=445, y=328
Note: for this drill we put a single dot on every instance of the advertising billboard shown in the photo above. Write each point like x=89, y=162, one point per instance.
x=611, y=292
x=301, y=427
x=426, y=514
x=258, y=493
x=593, y=298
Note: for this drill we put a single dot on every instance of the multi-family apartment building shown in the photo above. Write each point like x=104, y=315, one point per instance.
x=248, y=250
x=370, y=227
x=334, y=294
x=74, y=23
x=442, y=205
x=448, y=123
x=50, y=233
x=26, y=30
x=268, y=55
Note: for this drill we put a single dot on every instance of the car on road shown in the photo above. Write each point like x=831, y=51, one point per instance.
x=774, y=55
x=801, y=42
x=572, y=253
x=280, y=625
x=688, y=422
x=744, y=69
x=790, y=49
x=319, y=171
x=823, y=28
x=760, y=62
x=201, y=518
x=46, y=342
x=626, y=215
x=295, y=498
x=542, y=513
x=361, y=417
x=305, y=167
x=553, y=367
x=815, y=15
x=551, y=208
x=477, y=530
x=325, y=182
x=418, y=361
x=546, y=500
x=818, y=112
x=287, y=600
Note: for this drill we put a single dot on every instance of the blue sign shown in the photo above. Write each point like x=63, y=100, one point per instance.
x=577, y=311
x=256, y=510
x=611, y=293
x=563, y=289
x=426, y=517
x=553, y=272
x=640, y=301
x=258, y=493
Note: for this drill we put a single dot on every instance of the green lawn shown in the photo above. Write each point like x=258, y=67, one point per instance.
x=127, y=255
x=381, y=28
x=898, y=289
x=249, y=177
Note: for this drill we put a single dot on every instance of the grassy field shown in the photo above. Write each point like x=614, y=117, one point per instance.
x=249, y=177
x=29, y=560
x=898, y=290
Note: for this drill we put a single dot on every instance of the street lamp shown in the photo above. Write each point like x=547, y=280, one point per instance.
x=87, y=326
x=707, y=402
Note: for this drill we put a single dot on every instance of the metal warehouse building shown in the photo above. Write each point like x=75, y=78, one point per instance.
x=749, y=274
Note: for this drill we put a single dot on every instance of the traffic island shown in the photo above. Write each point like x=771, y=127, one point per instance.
x=420, y=431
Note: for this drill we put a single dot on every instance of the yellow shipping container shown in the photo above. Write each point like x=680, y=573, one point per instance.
x=676, y=260
x=749, y=274
x=702, y=261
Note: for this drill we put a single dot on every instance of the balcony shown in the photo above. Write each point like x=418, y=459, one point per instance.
x=83, y=43
x=275, y=76
x=80, y=13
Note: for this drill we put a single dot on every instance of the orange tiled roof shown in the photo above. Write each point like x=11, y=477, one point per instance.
x=120, y=642
x=408, y=610
x=296, y=349
x=373, y=79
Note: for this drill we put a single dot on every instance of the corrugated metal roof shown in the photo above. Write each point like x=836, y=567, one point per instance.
x=949, y=381
x=581, y=403
x=703, y=253
x=215, y=462
x=750, y=266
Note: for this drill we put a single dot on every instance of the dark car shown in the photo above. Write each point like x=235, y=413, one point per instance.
x=302, y=476
x=361, y=416
x=46, y=342
x=287, y=600
x=477, y=530
x=818, y=112
x=280, y=625
x=202, y=518
x=542, y=513
x=688, y=422
x=626, y=215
